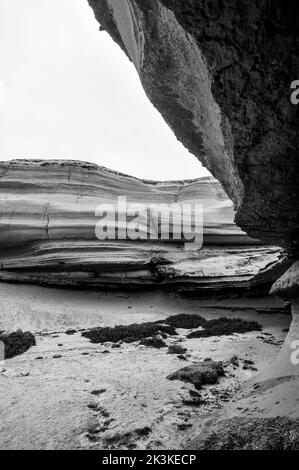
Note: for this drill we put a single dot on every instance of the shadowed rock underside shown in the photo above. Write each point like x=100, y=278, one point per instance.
x=222, y=83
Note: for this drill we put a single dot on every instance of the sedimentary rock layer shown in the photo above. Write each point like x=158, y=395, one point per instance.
x=220, y=74
x=48, y=221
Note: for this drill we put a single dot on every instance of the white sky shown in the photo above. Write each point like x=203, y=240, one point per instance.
x=68, y=91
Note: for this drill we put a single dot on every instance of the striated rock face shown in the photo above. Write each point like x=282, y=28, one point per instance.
x=47, y=232
x=220, y=74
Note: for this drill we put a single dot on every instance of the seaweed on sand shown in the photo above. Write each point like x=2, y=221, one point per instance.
x=128, y=333
x=225, y=326
x=279, y=433
x=17, y=342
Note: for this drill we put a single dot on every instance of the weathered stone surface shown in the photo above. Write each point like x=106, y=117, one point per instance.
x=200, y=373
x=222, y=83
x=287, y=287
x=47, y=232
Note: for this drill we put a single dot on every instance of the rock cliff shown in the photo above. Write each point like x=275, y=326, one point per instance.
x=48, y=221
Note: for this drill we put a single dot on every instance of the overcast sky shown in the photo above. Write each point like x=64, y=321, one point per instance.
x=68, y=91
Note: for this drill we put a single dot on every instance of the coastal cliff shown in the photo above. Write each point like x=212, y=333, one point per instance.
x=47, y=232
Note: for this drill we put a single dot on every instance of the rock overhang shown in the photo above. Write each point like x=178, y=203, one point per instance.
x=223, y=86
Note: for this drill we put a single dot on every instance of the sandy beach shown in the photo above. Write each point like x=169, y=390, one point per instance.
x=67, y=393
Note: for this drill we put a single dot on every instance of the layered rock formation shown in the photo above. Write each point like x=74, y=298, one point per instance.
x=48, y=232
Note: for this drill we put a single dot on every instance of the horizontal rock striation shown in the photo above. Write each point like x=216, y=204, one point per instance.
x=48, y=221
